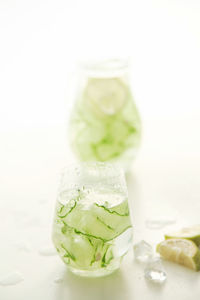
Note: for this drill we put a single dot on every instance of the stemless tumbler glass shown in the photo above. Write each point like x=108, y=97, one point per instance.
x=105, y=124
x=92, y=227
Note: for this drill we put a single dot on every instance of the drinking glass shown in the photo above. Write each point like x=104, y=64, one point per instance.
x=92, y=228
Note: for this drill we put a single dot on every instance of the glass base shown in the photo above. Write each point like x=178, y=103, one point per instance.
x=96, y=273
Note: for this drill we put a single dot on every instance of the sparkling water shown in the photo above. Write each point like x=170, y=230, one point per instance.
x=105, y=124
x=92, y=228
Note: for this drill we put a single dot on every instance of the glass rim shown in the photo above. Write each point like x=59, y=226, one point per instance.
x=77, y=174
x=105, y=68
x=89, y=164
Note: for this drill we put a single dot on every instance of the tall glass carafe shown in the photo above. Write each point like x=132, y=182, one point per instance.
x=105, y=124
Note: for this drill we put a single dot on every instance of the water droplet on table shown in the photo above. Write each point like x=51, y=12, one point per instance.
x=11, y=279
x=159, y=223
x=58, y=279
x=47, y=251
x=143, y=251
x=22, y=246
x=155, y=272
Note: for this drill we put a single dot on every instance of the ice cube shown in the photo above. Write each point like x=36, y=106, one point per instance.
x=159, y=223
x=11, y=279
x=143, y=251
x=155, y=272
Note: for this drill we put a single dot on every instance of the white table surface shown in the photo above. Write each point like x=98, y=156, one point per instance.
x=40, y=41
x=164, y=181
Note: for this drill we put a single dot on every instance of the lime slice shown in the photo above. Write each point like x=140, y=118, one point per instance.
x=106, y=96
x=181, y=251
x=190, y=233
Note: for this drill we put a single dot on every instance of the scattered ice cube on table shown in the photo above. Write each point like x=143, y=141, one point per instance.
x=155, y=272
x=11, y=279
x=159, y=223
x=47, y=251
x=143, y=251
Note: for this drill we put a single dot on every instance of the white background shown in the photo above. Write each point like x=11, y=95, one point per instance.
x=40, y=43
x=41, y=40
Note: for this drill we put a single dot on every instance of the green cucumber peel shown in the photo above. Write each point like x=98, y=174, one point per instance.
x=109, y=260
x=112, y=143
x=94, y=256
x=68, y=254
x=67, y=213
x=90, y=242
x=108, y=226
x=93, y=236
x=103, y=262
x=112, y=211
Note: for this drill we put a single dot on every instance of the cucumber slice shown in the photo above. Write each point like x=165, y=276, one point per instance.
x=97, y=222
x=106, y=96
x=79, y=252
x=107, y=150
x=113, y=218
x=85, y=231
x=64, y=210
x=96, y=136
x=82, y=250
x=121, y=209
x=119, y=136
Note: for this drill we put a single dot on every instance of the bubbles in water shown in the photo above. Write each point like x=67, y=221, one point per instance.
x=47, y=251
x=155, y=272
x=11, y=279
x=143, y=251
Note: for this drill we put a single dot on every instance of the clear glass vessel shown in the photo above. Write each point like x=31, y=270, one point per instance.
x=92, y=228
x=105, y=124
